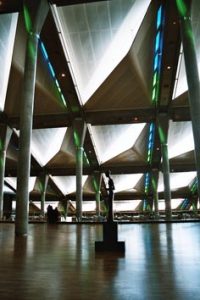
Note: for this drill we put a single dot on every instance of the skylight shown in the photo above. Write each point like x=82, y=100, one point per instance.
x=46, y=143
x=67, y=184
x=125, y=182
x=96, y=37
x=12, y=181
x=8, y=23
x=177, y=180
x=181, y=81
x=111, y=140
x=180, y=139
x=174, y=204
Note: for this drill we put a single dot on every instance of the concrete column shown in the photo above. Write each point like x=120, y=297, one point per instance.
x=2, y=171
x=44, y=183
x=79, y=137
x=166, y=178
x=97, y=178
x=154, y=183
x=79, y=190
x=26, y=116
x=6, y=133
x=191, y=67
x=163, y=124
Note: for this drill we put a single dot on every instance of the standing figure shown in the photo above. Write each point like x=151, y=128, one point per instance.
x=110, y=190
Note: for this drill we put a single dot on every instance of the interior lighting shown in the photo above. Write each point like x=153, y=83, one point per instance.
x=156, y=59
x=53, y=74
x=157, y=54
x=182, y=8
x=51, y=69
x=157, y=46
x=155, y=85
x=194, y=186
x=44, y=52
x=159, y=17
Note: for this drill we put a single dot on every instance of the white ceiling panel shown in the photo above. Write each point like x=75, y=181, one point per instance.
x=97, y=36
x=180, y=138
x=46, y=143
x=111, y=140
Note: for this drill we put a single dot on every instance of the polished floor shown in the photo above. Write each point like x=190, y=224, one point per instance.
x=162, y=261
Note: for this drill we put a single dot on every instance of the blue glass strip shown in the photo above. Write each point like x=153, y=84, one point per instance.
x=155, y=66
x=159, y=17
x=51, y=69
x=157, y=45
x=44, y=52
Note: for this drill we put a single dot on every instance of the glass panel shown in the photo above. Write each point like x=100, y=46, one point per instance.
x=46, y=143
x=180, y=138
x=8, y=23
x=181, y=82
x=97, y=36
x=111, y=140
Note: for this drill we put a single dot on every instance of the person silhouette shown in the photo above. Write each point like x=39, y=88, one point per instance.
x=110, y=189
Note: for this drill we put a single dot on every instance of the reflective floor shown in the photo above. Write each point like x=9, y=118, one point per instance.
x=162, y=261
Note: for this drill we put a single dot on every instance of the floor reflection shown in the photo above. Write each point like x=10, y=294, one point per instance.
x=162, y=261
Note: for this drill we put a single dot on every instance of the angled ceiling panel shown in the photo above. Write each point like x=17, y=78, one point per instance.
x=67, y=184
x=92, y=33
x=46, y=143
x=125, y=182
x=111, y=140
x=180, y=138
x=137, y=154
x=177, y=180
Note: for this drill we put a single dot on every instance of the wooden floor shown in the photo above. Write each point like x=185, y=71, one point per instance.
x=162, y=261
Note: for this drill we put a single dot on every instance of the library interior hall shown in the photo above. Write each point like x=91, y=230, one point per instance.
x=99, y=149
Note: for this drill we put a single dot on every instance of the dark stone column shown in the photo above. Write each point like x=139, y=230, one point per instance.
x=26, y=116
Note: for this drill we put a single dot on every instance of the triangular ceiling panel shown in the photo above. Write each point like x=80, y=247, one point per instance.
x=136, y=154
x=125, y=182
x=8, y=23
x=92, y=33
x=111, y=140
x=46, y=143
x=88, y=187
x=118, y=92
x=12, y=181
x=177, y=180
x=180, y=138
x=67, y=154
x=67, y=184
x=7, y=190
x=185, y=158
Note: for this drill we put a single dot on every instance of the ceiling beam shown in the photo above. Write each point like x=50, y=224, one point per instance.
x=177, y=114
x=72, y=2
x=120, y=169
